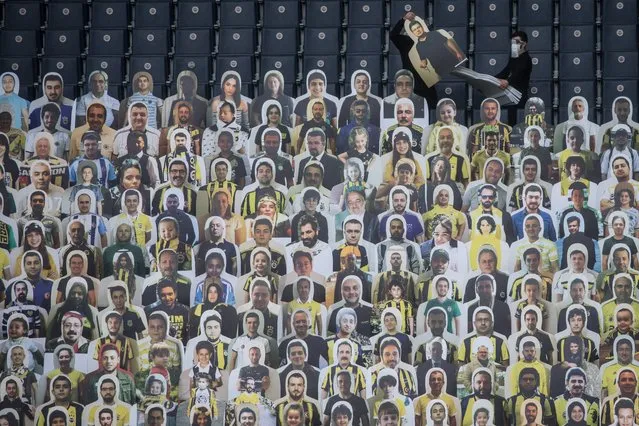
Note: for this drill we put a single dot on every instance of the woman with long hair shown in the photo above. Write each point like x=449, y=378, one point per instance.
x=34, y=239
x=10, y=166
x=231, y=87
x=130, y=177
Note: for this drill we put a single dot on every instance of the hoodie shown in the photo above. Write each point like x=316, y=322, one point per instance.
x=198, y=103
x=15, y=103
x=67, y=106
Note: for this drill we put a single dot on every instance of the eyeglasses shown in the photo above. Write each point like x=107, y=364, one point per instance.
x=487, y=197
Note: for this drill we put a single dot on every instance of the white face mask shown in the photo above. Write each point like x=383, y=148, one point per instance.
x=514, y=50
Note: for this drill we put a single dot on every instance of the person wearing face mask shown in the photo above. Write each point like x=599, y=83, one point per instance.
x=517, y=71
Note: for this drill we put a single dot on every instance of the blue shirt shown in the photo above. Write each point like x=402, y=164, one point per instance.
x=518, y=223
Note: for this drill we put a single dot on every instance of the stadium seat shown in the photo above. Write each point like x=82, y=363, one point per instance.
x=535, y=12
x=110, y=15
x=366, y=13
x=493, y=12
x=70, y=91
x=539, y=38
x=196, y=14
x=577, y=38
x=108, y=42
x=237, y=14
x=19, y=43
x=150, y=41
x=25, y=15
x=240, y=41
x=25, y=67
x=153, y=15
x=66, y=16
x=568, y=89
x=323, y=14
x=279, y=41
x=193, y=42
x=394, y=65
x=492, y=39
x=620, y=65
x=542, y=66
x=241, y=64
x=159, y=90
x=460, y=34
x=114, y=66
x=287, y=65
x=577, y=66
x=365, y=40
x=541, y=89
x=281, y=13
x=490, y=63
x=324, y=41
x=157, y=66
x=613, y=88
x=63, y=42
x=370, y=63
x=619, y=38
x=329, y=64
x=454, y=90
x=577, y=11
x=621, y=12
x=70, y=68
x=450, y=13
x=200, y=65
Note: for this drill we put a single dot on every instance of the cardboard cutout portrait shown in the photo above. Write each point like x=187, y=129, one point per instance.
x=435, y=53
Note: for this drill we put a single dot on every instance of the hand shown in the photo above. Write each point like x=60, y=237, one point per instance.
x=460, y=56
x=503, y=83
x=424, y=63
x=409, y=16
x=266, y=382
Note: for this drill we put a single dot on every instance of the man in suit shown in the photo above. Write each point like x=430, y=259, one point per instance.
x=437, y=361
x=316, y=146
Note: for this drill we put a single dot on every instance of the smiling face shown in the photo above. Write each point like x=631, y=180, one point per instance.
x=447, y=114
x=362, y=84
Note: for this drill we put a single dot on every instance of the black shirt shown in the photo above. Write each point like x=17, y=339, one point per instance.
x=360, y=409
x=404, y=44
